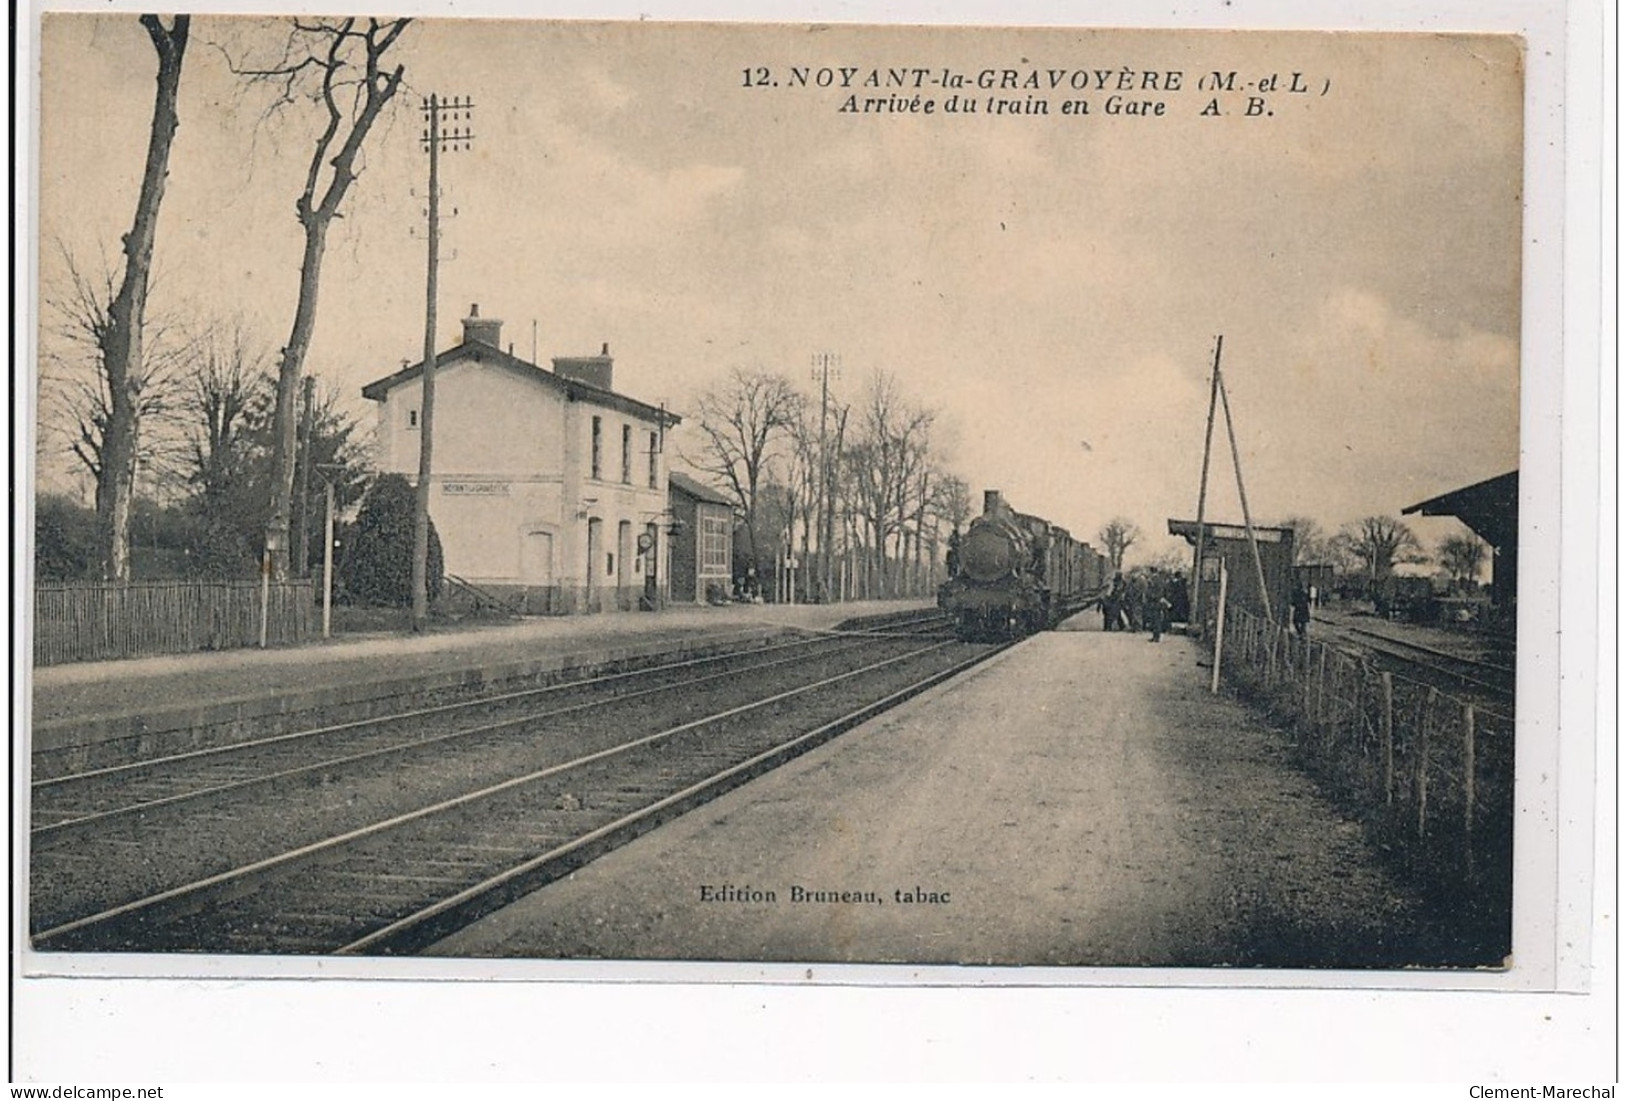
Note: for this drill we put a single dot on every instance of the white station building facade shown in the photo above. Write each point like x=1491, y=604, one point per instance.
x=549, y=489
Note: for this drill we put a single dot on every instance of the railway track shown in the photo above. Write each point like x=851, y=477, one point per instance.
x=1493, y=680
x=69, y=805
x=476, y=817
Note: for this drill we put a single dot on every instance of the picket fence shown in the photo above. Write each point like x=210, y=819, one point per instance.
x=96, y=621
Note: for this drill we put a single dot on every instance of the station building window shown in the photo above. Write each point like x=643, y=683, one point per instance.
x=598, y=447
x=714, y=543
x=654, y=460
x=626, y=454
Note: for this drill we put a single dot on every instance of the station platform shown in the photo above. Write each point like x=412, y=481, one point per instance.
x=91, y=703
x=1079, y=800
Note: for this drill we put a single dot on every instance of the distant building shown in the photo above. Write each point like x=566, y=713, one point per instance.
x=1228, y=543
x=1490, y=509
x=702, y=542
x=549, y=489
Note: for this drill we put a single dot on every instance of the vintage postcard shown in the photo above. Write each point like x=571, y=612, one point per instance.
x=884, y=503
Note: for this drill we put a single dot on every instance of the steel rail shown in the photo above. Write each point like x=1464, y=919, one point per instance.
x=238, y=876
x=57, y=831
x=153, y=763
x=425, y=926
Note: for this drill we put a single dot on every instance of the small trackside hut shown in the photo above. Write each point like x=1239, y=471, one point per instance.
x=1228, y=543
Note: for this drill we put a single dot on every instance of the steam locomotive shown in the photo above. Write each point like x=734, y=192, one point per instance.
x=1012, y=574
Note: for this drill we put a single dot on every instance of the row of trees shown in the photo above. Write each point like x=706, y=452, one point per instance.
x=210, y=462
x=822, y=478
x=1370, y=548
x=115, y=374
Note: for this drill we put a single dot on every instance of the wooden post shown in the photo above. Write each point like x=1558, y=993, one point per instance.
x=265, y=597
x=1422, y=763
x=1388, y=737
x=1241, y=491
x=1308, y=683
x=327, y=567
x=1320, y=690
x=1201, y=493
x=1218, y=635
x=1469, y=751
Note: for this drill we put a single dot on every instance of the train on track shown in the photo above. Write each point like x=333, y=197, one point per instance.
x=1011, y=574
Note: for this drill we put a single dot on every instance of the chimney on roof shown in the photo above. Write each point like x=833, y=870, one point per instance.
x=992, y=502
x=486, y=330
x=598, y=370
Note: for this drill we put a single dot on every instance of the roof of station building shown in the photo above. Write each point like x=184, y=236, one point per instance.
x=573, y=389
x=698, y=490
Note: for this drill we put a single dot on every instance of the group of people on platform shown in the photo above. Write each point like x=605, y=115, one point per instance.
x=1145, y=601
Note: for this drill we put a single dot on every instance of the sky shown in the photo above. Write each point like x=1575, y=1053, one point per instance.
x=1052, y=284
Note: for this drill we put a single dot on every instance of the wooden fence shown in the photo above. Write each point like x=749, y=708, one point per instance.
x=1432, y=773
x=94, y=621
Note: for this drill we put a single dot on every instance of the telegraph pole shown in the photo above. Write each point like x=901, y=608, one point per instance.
x=460, y=111
x=1201, y=496
x=823, y=362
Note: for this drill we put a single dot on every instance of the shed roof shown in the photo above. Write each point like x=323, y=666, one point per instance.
x=1187, y=528
x=698, y=490
x=481, y=352
x=1489, y=507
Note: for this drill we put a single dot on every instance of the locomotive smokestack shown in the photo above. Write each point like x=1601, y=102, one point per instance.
x=990, y=501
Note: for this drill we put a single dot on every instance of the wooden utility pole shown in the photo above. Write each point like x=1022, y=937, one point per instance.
x=823, y=364
x=433, y=138
x=1201, y=495
x=1241, y=490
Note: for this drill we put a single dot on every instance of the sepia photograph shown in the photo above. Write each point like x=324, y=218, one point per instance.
x=890, y=392
x=954, y=503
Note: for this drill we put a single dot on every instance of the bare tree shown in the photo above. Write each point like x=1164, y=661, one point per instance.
x=1308, y=540
x=1461, y=555
x=743, y=422
x=886, y=465
x=951, y=501
x=1117, y=537
x=1380, y=542
x=228, y=380
x=110, y=408
x=340, y=65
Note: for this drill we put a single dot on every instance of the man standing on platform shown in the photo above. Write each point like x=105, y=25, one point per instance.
x=1157, y=604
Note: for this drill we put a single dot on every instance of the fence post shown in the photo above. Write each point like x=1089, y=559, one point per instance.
x=1388, y=737
x=1320, y=691
x=1422, y=763
x=1308, y=684
x=1469, y=751
x=1357, y=710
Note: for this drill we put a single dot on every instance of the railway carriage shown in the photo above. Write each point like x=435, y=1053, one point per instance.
x=1012, y=574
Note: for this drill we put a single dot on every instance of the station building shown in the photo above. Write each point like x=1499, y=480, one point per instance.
x=701, y=542
x=549, y=488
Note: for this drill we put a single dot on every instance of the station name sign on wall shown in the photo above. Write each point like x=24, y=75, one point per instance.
x=474, y=489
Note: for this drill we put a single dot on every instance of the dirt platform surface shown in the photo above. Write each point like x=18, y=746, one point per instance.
x=1080, y=800
x=65, y=693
